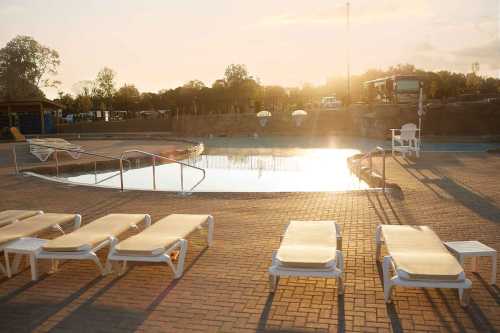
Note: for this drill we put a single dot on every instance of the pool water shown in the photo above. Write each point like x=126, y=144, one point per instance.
x=276, y=170
x=268, y=164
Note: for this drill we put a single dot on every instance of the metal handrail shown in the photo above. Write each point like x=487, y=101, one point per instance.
x=80, y=151
x=369, y=156
x=155, y=156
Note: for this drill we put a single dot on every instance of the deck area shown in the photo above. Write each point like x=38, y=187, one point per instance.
x=225, y=287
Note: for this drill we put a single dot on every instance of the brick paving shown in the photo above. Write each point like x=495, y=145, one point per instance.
x=225, y=287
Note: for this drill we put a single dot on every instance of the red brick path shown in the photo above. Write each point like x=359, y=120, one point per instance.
x=225, y=289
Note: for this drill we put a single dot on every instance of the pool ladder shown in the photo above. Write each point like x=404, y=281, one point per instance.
x=369, y=156
x=154, y=157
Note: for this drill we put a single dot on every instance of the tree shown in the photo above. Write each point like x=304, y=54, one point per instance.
x=241, y=85
x=127, y=98
x=236, y=75
x=105, y=86
x=26, y=67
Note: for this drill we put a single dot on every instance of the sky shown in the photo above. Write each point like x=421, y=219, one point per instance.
x=161, y=44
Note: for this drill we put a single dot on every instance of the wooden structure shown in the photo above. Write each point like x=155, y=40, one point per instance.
x=31, y=116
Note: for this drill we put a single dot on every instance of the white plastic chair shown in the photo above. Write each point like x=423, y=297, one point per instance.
x=406, y=141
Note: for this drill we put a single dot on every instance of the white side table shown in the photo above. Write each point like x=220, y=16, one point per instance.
x=28, y=246
x=474, y=249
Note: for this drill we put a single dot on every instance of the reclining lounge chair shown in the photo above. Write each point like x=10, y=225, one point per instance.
x=83, y=243
x=43, y=148
x=309, y=249
x=156, y=243
x=33, y=226
x=419, y=259
x=11, y=216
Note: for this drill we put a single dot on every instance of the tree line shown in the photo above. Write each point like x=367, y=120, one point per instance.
x=26, y=67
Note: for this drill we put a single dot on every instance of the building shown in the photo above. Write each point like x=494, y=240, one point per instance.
x=34, y=116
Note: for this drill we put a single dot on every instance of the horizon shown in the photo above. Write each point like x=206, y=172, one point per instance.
x=143, y=44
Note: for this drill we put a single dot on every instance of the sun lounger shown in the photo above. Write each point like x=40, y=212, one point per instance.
x=156, y=243
x=309, y=249
x=83, y=243
x=10, y=216
x=35, y=225
x=419, y=259
x=17, y=135
x=43, y=148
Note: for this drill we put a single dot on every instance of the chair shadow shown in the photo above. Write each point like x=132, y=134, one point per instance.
x=390, y=307
x=107, y=317
x=478, y=318
x=468, y=198
x=493, y=290
x=341, y=313
x=480, y=205
x=264, y=317
x=27, y=316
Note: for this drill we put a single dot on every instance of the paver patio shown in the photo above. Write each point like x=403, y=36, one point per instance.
x=225, y=287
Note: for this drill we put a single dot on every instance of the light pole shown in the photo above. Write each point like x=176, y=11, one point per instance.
x=348, y=55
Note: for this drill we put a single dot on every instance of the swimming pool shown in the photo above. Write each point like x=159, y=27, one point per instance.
x=268, y=164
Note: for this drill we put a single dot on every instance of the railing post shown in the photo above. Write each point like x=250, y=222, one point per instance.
x=121, y=174
x=14, y=156
x=57, y=163
x=182, y=178
x=154, y=173
x=383, y=169
x=95, y=172
x=370, y=162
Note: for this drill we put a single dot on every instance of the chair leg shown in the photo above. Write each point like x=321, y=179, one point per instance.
x=387, y=280
x=210, y=230
x=96, y=260
x=463, y=295
x=378, y=241
x=182, y=257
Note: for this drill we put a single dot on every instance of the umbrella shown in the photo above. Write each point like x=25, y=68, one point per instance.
x=263, y=117
x=299, y=113
x=299, y=116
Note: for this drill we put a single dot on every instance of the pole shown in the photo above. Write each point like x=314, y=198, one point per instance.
x=121, y=174
x=154, y=173
x=348, y=5
x=14, y=156
x=420, y=113
x=182, y=178
x=57, y=163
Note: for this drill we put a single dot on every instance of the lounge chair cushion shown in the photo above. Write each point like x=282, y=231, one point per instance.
x=9, y=216
x=94, y=233
x=33, y=226
x=419, y=254
x=308, y=244
x=161, y=235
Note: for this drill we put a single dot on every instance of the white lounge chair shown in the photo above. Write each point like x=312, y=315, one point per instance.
x=10, y=216
x=159, y=241
x=406, y=141
x=33, y=226
x=43, y=148
x=309, y=249
x=418, y=259
x=83, y=243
